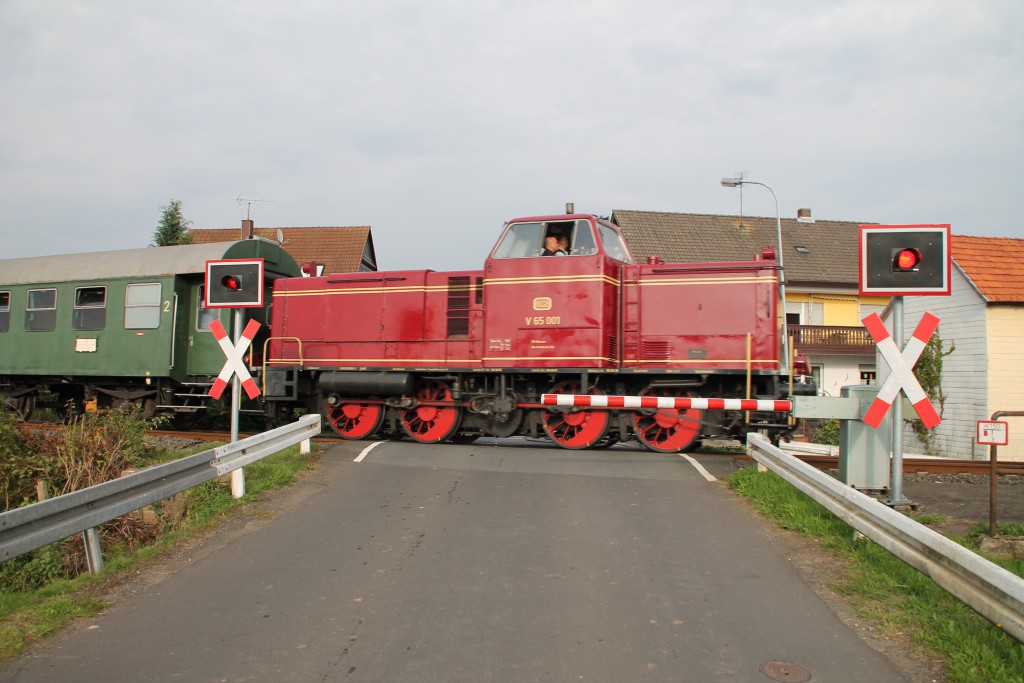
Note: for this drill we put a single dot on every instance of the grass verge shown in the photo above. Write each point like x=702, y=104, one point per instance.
x=894, y=597
x=29, y=616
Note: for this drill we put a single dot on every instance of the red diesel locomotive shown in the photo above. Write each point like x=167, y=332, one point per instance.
x=443, y=355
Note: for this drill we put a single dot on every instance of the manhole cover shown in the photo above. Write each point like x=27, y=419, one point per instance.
x=785, y=671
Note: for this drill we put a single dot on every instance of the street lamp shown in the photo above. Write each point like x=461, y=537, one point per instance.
x=737, y=182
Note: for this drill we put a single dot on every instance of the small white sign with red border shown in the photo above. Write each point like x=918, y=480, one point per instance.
x=992, y=433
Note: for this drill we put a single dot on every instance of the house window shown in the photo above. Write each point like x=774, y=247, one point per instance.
x=142, y=306
x=817, y=372
x=90, y=308
x=868, y=375
x=41, y=311
x=5, y=311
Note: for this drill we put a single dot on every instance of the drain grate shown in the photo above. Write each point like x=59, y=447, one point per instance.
x=785, y=671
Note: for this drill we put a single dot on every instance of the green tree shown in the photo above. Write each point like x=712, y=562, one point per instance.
x=173, y=228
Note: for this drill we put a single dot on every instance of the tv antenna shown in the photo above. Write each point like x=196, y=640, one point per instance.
x=741, y=175
x=248, y=204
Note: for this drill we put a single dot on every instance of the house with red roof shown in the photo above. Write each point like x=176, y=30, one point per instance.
x=332, y=249
x=984, y=318
x=824, y=308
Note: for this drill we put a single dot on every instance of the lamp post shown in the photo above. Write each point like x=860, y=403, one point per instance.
x=736, y=182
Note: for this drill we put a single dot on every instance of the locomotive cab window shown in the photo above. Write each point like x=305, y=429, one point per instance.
x=41, y=310
x=613, y=244
x=520, y=241
x=524, y=240
x=142, y=306
x=90, y=308
x=5, y=311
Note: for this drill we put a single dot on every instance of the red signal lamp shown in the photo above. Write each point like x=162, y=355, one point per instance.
x=231, y=282
x=906, y=260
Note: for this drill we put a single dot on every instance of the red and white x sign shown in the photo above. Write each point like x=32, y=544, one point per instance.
x=234, y=364
x=902, y=376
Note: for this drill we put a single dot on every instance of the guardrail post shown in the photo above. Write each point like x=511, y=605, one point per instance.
x=93, y=550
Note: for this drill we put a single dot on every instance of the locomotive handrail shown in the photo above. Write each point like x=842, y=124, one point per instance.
x=698, y=267
x=988, y=589
x=26, y=528
x=263, y=375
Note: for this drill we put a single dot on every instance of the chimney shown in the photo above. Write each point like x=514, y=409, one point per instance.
x=804, y=216
x=247, y=229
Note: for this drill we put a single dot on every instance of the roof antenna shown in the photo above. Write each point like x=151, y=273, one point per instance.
x=249, y=203
x=741, y=175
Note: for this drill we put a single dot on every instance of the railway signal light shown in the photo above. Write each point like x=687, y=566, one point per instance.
x=903, y=260
x=234, y=283
x=906, y=260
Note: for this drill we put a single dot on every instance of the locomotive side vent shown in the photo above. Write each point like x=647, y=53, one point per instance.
x=458, y=307
x=612, y=348
x=654, y=350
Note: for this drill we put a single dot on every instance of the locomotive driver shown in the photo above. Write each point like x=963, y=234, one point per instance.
x=551, y=247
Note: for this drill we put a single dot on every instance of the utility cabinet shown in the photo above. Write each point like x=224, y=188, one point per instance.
x=863, y=450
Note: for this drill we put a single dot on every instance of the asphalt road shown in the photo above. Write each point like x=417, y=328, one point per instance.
x=483, y=562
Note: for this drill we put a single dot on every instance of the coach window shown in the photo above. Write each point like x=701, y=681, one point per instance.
x=204, y=315
x=41, y=311
x=5, y=311
x=90, y=308
x=142, y=306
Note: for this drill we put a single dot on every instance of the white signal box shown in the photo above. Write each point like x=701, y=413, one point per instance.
x=992, y=433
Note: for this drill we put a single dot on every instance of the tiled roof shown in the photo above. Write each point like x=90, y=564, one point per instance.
x=994, y=264
x=831, y=246
x=339, y=249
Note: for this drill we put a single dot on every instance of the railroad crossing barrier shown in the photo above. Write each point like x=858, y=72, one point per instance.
x=988, y=589
x=26, y=528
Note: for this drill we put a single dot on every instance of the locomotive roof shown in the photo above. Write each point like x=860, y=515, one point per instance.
x=146, y=262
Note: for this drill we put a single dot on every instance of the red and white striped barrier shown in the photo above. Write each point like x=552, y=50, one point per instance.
x=682, y=403
x=234, y=363
x=902, y=376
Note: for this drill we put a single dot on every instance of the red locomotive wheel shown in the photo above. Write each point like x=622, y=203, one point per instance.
x=579, y=428
x=355, y=420
x=431, y=423
x=667, y=430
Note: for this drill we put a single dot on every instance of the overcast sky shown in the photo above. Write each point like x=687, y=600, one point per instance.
x=434, y=121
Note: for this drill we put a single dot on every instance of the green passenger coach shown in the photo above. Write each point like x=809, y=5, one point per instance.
x=121, y=328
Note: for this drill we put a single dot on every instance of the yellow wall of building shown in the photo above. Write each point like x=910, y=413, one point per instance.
x=1005, y=370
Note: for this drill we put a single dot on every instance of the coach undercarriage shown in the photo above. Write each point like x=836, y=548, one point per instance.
x=446, y=406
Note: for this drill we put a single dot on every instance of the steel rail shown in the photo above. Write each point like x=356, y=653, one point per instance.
x=33, y=526
x=990, y=590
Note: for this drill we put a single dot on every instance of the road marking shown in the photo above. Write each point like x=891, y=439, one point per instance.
x=366, y=451
x=700, y=468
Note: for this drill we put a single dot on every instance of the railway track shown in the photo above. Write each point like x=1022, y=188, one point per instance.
x=822, y=462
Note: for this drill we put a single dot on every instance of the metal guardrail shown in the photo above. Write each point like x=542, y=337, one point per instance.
x=33, y=526
x=988, y=589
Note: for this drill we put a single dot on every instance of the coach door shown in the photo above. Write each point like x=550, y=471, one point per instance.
x=205, y=357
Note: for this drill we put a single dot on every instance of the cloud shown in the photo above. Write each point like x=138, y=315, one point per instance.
x=434, y=122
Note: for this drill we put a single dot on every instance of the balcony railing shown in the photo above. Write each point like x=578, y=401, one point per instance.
x=832, y=339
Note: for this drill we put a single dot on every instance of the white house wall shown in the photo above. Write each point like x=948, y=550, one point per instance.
x=964, y=372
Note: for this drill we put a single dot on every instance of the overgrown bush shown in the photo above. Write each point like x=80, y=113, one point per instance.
x=827, y=433
x=92, y=449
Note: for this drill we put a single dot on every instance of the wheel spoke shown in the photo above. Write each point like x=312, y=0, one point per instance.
x=431, y=423
x=579, y=428
x=667, y=430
